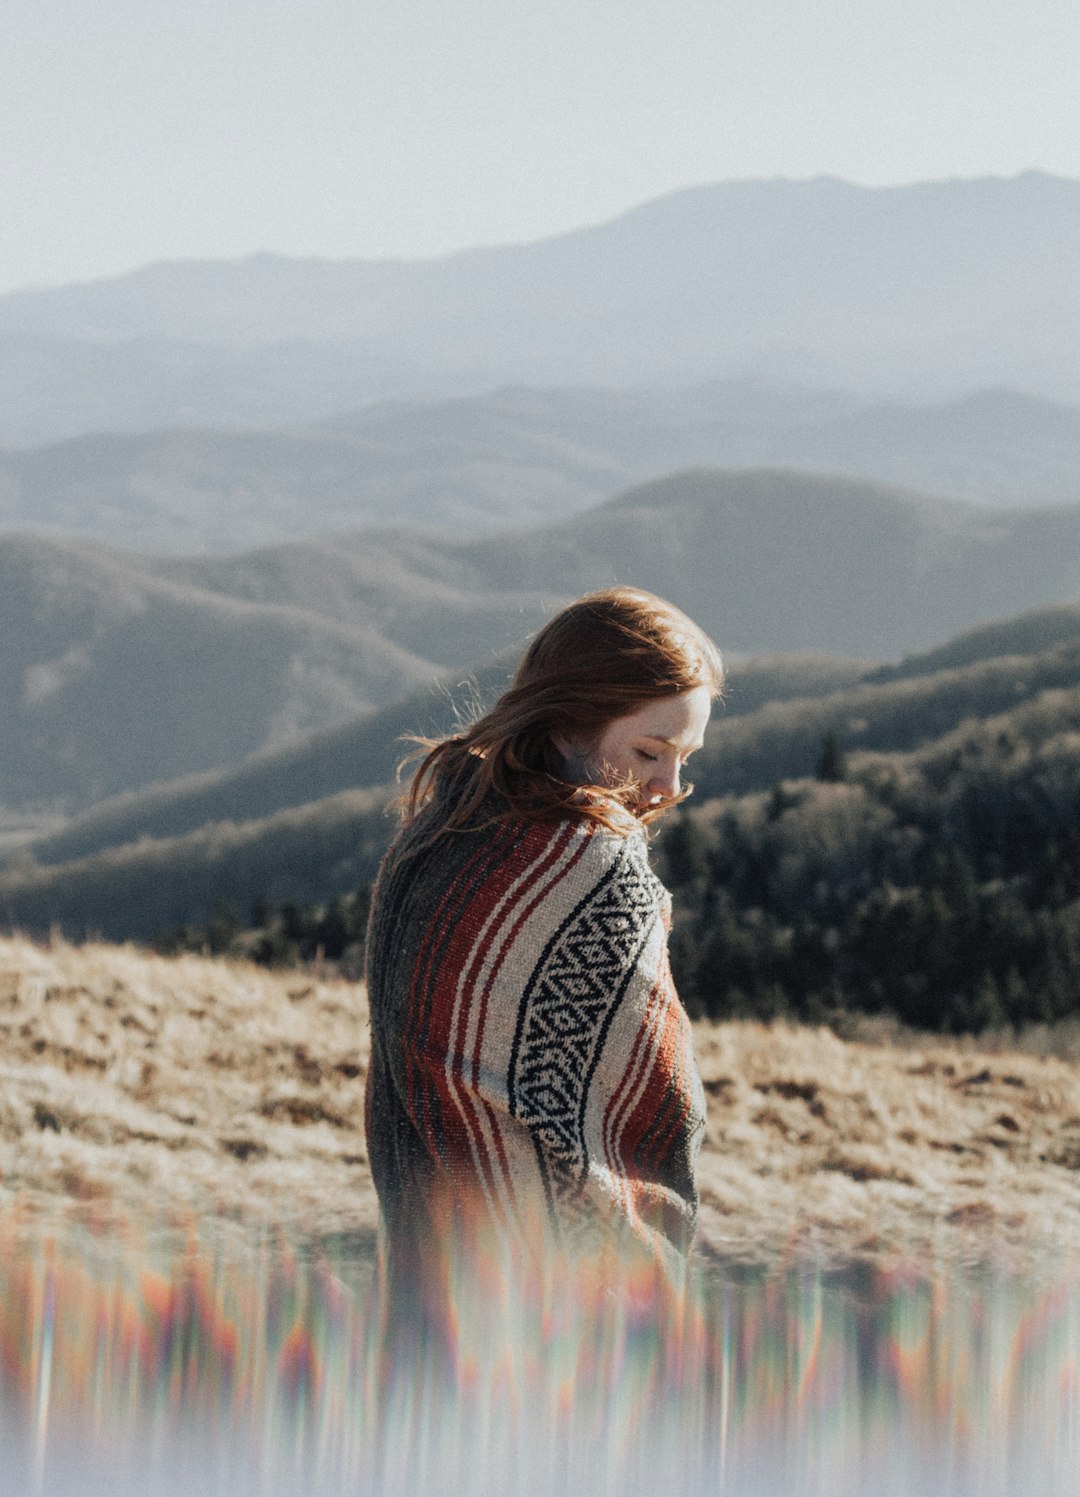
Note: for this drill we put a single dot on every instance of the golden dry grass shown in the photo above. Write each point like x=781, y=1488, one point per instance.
x=139, y=1083
x=131, y=1083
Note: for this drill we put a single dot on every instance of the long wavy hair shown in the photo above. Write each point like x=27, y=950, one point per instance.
x=600, y=659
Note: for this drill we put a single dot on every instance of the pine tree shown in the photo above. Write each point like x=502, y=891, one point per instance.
x=832, y=762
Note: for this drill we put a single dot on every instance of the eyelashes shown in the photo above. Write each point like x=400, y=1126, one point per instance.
x=654, y=758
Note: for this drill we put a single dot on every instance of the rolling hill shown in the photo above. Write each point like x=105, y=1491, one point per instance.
x=767, y=559
x=124, y=670
x=54, y=388
x=113, y=673
x=149, y=864
x=365, y=752
x=519, y=456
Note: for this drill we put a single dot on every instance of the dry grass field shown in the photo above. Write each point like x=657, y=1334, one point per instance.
x=135, y=1084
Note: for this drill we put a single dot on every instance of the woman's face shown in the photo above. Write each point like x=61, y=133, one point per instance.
x=649, y=746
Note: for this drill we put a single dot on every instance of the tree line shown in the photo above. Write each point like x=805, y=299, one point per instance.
x=285, y=933
x=941, y=889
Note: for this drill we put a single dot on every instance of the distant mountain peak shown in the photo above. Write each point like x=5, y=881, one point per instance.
x=918, y=291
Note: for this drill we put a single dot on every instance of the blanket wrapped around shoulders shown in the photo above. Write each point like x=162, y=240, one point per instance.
x=529, y=1051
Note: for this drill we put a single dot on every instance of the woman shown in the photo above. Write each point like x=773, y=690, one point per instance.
x=531, y=1065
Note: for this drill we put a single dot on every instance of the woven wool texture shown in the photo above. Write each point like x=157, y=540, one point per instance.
x=530, y=1057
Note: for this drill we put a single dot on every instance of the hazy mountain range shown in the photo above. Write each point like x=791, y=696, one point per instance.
x=364, y=753
x=925, y=291
x=519, y=455
x=154, y=861
x=989, y=668
x=119, y=669
x=247, y=509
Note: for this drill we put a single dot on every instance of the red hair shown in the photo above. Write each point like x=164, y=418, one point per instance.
x=600, y=659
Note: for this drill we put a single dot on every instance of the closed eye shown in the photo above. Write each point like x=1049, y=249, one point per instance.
x=649, y=758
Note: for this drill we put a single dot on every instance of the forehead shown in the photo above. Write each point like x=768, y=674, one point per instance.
x=678, y=719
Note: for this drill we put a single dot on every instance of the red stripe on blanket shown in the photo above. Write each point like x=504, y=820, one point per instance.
x=471, y=937
x=664, y=1104
x=640, y=1058
x=669, y=1122
x=418, y=1068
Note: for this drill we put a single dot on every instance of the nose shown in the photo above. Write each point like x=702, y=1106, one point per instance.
x=664, y=782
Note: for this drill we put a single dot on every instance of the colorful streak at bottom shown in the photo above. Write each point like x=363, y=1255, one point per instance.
x=215, y=1363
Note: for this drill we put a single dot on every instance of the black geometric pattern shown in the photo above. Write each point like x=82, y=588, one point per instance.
x=567, y=1009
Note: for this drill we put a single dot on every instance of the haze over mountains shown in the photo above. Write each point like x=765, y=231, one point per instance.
x=925, y=292
x=121, y=669
x=517, y=456
x=249, y=510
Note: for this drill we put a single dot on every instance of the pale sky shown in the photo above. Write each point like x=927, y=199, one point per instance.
x=140, y=130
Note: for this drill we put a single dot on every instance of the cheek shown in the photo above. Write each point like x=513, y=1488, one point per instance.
x=631, y=767
x=618, y=755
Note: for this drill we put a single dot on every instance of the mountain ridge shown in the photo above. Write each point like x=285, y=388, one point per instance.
x=520, y=456
x=1031, y=184
x=123, y=670
x=930, y=288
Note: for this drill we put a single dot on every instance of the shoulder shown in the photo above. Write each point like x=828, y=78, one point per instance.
x=605, y=848
x=517, y=855
x=595, y=843
x=599, y=860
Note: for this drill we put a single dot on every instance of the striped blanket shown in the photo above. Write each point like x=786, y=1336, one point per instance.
x=530, y=1057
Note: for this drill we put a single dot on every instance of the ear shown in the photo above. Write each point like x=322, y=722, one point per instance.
x=574, y=755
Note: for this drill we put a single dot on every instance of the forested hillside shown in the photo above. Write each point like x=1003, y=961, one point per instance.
x=940, y=886
x=366, y=751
